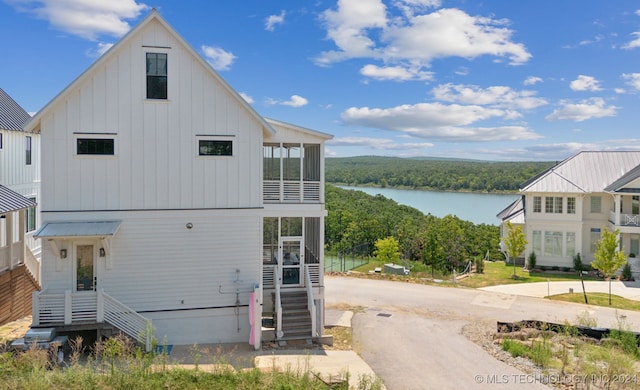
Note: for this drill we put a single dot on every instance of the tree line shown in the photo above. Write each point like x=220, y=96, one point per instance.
x=356, y=220
x=432, y=174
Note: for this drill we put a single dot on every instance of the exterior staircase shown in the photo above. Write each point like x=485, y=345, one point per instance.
x=296, y=319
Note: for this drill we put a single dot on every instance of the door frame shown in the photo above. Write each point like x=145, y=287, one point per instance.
x=95, y=278
x=291, y=267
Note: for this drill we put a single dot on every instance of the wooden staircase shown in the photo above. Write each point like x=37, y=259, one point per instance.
x=296, y=319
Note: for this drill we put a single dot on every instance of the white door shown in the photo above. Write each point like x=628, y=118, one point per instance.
x=85, y=266
x=292, y=263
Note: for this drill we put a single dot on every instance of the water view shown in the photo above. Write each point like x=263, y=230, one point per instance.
x=475, y=207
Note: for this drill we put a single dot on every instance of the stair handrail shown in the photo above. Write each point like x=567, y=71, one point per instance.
x=278, y=280
x=124, y=318
x=311, y=303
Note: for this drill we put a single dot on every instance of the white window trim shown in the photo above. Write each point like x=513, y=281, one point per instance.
x=202, y=137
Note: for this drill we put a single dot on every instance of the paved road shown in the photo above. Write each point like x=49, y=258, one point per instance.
x=411, y=335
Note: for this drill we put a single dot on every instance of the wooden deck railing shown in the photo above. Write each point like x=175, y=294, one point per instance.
x=287, y=191
x=311, y=303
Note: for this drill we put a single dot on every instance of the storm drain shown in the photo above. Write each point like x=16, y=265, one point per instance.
x=383, y=315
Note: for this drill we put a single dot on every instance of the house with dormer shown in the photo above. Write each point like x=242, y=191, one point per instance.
x=564, y=209
x=171, y=209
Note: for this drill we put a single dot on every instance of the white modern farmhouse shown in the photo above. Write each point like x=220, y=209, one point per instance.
x=168, y=203
x=564, y=209
x=19, y=193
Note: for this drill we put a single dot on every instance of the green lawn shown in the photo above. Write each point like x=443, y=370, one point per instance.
x=599, y=299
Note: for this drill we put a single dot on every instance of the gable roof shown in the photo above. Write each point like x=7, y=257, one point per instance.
x=585, y=172
x=12, y=116
x=514, y=212
x=618, y=185
x=12, y=201
x=277, y=123
x=34, y=124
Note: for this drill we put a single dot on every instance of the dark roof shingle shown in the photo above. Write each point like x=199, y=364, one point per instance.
x=12, y=201
x=12, y=116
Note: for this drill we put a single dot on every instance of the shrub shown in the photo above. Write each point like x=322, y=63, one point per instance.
x=626, y=272
x=479, y=265
x=577, y=263
x=531, y=261
x=514, y=348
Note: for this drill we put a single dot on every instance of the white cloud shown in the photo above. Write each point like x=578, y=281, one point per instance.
x=586, y=109
x=498, y=96
x=632, y=79
x=532, y=80
x=634, y=43
x=585, y=83
x=437, y=121
x=361, y=29
x=246, y=97
x=88, y=19
x=294, y=101
x=397, y=73
x=100, y=50
x=273, y=20
x=218, y=57
x=378, y=143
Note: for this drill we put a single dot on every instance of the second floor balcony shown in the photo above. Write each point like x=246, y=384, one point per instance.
x=293, y=173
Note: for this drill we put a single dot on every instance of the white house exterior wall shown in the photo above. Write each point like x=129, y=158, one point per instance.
x=14, y=172
x=155, y=164
x=167, y=272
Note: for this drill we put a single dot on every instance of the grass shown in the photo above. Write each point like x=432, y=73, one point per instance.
x=599, y=299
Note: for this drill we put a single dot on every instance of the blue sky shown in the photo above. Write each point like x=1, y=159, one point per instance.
x=490, y=80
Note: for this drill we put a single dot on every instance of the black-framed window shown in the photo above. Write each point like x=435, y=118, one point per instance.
x=28, y=146
x=0, y=140
x=215, y=147
x=156, y=75
x=95, y=146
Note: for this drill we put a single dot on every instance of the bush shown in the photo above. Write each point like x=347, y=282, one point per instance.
x=479, y=262
x=531, y=261
x=577, y=263
x=514, y=348
x=626, y=272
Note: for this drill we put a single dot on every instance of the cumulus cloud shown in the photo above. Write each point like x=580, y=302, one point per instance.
x=378, y=143
x=586, y=109
x=362, y=29
x=273, y=20
x=532, y=80
x=397, y=73
x=218, y=57
x=437, y=121
x=498, y=96
x=88, y=19
x=294, y=101
x=585, y=83
x=634, y=43
x=632, y=79
x=246, y=97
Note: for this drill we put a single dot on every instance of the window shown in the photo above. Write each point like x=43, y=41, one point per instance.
x=28, y=151
x=0, y=141
x=570, y=244
x=95, y=146
x=553, y=244
x=596, y=204
x=537, y=204
x=634, y=245
x=548, y=204
x=635, y=204
x=156, y=75
x=557, y=207
x=595, y=237
x=215, y=148
x=30, y=216
x=537, y=241
x=571, y=205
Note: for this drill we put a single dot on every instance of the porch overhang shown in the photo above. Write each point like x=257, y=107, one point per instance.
x=65, y=230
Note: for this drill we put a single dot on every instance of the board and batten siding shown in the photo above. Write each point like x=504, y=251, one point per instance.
x=14, y=172
x=156, y=163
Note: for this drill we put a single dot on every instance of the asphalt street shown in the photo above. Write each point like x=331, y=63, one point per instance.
x=411, y=334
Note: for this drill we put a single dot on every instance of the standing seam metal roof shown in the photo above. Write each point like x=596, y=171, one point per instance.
x=12, y=201
x=12, y=116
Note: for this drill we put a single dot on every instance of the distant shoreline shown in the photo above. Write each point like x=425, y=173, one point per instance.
x=425, y=189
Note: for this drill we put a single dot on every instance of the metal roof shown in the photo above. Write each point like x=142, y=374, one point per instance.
x=12, y=116
x=585, y=172
x=514, y=212
x=78, y=229
x=629, y=177
x=12, y=201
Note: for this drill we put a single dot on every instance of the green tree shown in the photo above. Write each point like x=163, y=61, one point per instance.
x=608, y=257
x=515, y=243
x=388, y=250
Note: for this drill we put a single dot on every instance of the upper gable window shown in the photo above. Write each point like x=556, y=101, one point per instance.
x=95, y=146
x=28, y=151
x=208, y=147
x=156, y=76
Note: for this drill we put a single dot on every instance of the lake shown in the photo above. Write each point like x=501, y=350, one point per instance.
x=475, y=207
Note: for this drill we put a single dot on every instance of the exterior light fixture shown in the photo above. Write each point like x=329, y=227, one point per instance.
x=189, y=225
x=63, y=253
x=102, y=252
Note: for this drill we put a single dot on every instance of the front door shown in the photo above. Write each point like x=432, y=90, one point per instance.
x=292, y=260
x=85, y=267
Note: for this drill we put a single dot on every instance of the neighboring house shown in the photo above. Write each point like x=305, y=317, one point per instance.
x=168, y=202
x=564, y=209
x=19, y=192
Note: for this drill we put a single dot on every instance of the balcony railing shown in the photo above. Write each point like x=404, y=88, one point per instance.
x=269, y=274
x=632, y=220
x=287, y=191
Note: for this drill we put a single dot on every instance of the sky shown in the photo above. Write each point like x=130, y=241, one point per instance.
x=492, y=80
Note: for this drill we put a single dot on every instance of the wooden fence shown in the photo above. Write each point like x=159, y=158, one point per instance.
x=16, y=287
